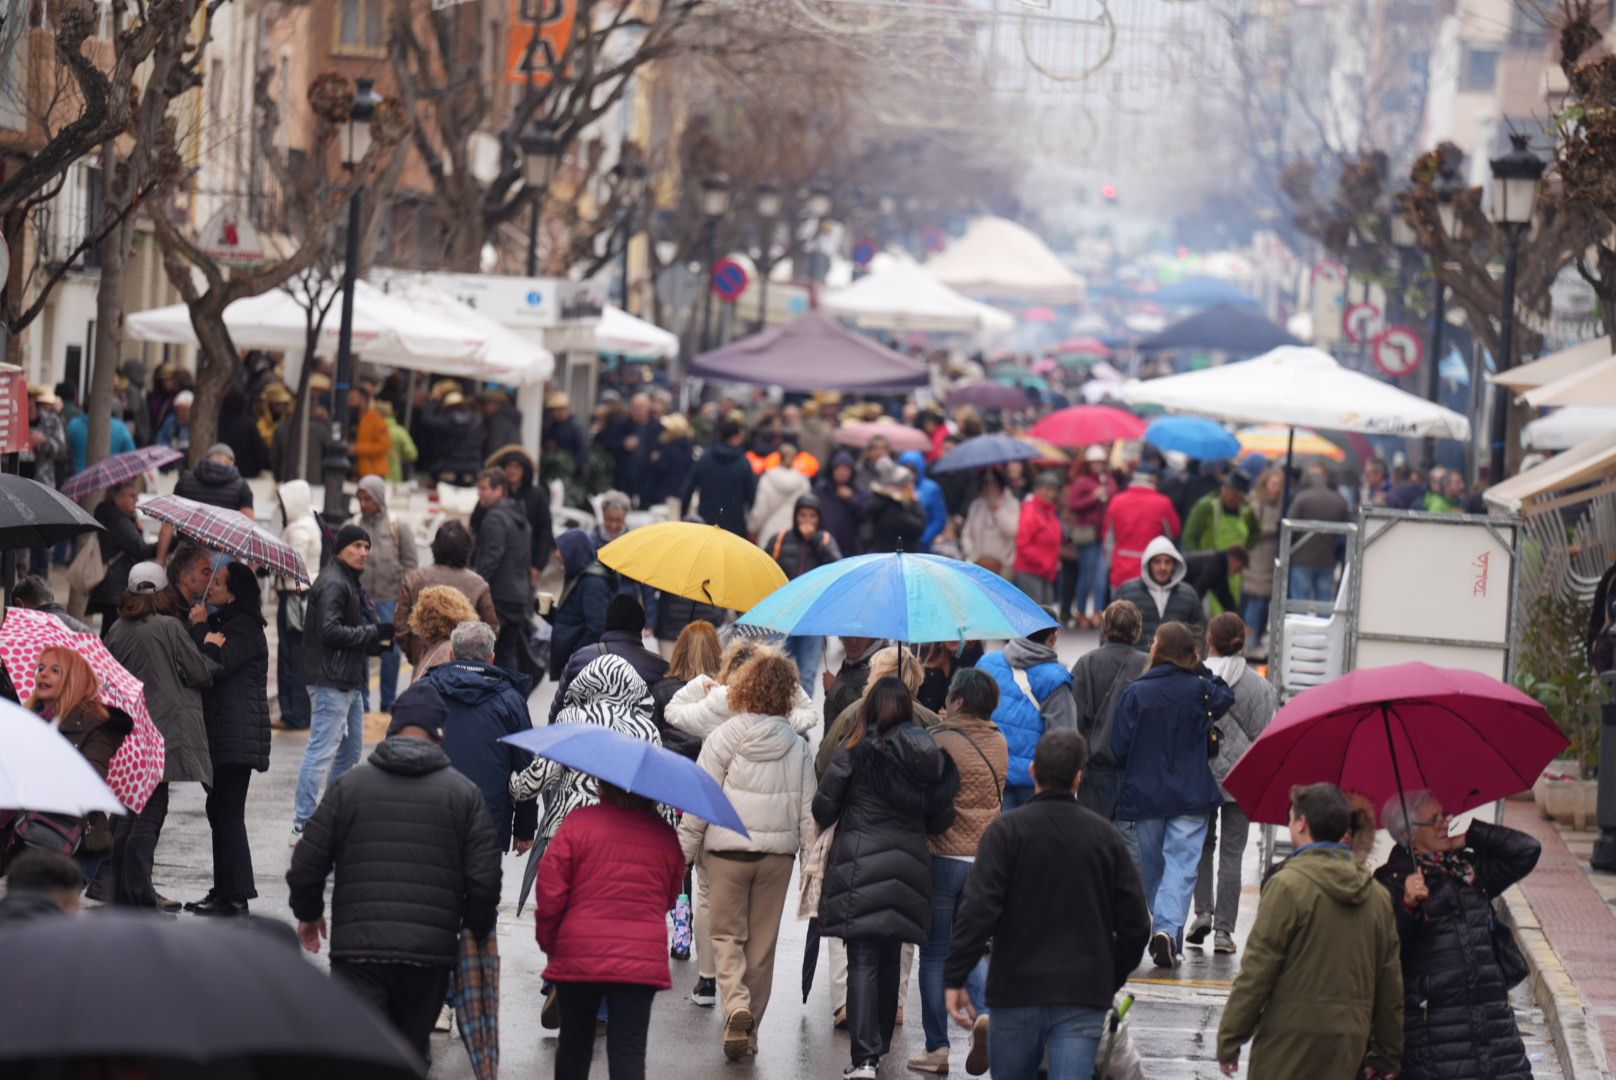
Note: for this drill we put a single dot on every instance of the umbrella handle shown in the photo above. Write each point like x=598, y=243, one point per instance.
x=705, y=591
x=1397, y=772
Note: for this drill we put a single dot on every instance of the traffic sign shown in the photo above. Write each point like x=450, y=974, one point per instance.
x=1399, y=351
x=864, y=251
x=730, y=279
x=1362, y=322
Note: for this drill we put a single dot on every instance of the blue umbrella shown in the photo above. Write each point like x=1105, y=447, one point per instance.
x=982, y=451
x=635, y=766
x=900, y=597
x=1192, y=436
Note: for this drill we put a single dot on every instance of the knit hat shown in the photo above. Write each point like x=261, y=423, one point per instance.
x=420, y=706
x=349, y=534
x=223, y=450
x=625, y=613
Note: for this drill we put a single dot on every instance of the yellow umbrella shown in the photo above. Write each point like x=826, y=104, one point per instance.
x=1051, y=454
x=1270, y=440
x=697, y=562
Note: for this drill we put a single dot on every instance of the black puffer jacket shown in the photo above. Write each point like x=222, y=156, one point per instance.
x=216, y=484
x=415, y=855
x=679, y=742
x=236, y=706
x=674, y=613
x=885, y=796
x=1457, y=1020
x=122, y=547
x=337, y=634
x=504, y=551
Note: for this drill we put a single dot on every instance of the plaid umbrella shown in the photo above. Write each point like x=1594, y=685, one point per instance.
x=228, y=531
x=476, y=1002
x=138, y=765
x=112, y=471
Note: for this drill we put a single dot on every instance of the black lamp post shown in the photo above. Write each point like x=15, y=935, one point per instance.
x=817, y=203
x=769, y=201
x=356, y=146
x=541, y=157
x=714, y=204
x=1517, y=177
x=631, y=176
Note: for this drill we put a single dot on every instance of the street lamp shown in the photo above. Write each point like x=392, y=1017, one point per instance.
x=631, y=176
x=356, y=147
x=769, y=203
x=541, y=157
x=819, y=201
x=1517, y=177
x=714, y=205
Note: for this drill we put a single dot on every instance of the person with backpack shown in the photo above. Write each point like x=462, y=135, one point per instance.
x=1098, y=679
x=803, y=547
x=1035, y=697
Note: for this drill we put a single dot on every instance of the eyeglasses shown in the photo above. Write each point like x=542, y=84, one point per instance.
x=1439, y=819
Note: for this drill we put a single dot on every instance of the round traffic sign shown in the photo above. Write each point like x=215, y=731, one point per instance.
x=1362, y=322
x=864, y=251
x=730, y=279
x=1399, y=351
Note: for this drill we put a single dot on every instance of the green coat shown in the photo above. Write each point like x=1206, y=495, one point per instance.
x=1212, y=528
x=1320, y=990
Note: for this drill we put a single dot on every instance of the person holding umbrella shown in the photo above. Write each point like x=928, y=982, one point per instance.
x=1087, y=497
x=989, y=536
x=122, y=546
x=1457, y=1017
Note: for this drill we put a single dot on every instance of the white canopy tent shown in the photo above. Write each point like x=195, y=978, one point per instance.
x=1298, y=386
x=621, y=334
x=1591, y=385
x=1000, y=260
x=900, y=295
x=1562, y=480
x=1568, y=427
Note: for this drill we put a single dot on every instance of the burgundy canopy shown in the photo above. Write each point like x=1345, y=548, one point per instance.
x=812, y=352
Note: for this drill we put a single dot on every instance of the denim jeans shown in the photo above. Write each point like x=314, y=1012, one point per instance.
x=1092, y=579
x=1168, y=851
x=336, y=735
x=1065, y=589
x=390, y=659
x=1020, y=1036
x=947, y=885
x=1016, y=796
x=1255, y=617
x=808, y=653
x=1313, y=583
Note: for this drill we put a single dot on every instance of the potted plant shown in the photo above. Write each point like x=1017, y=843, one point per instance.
x=1553, y=668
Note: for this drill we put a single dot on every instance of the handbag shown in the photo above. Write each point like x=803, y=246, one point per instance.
x=296, y=605
x=1214, y=734
x=88, y=569
x=60, y=833
x=1511, y=964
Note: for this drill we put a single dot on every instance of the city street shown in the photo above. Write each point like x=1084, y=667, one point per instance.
x=1174, y=1021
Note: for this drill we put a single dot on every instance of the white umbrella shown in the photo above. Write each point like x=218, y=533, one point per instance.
x=1298, y=387
x=1594, y=385
x=1568, y=427
x=40, y=770
x=619, y=333
x=901, y=295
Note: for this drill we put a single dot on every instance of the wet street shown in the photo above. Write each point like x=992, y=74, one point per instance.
x=1174, y=1021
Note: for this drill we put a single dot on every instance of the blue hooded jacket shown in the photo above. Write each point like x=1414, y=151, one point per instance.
x=485, y=704
x=930, y=494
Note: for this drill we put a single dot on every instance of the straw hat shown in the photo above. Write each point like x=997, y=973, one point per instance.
x=444, y=387
x=496, y=460
x=276, y=393
x=675, y=426
x=558, y=400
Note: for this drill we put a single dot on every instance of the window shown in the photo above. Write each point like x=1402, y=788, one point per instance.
x=92, y=215
x=362, y=26
x=1480, y=69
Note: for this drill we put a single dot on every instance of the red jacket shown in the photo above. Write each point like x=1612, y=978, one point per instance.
x=1038, y=539
x=1137, y=516
x=605, y=886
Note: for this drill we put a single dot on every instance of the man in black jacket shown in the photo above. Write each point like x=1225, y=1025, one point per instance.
x=623, y=635
x=724, y=480
x=216, y=482
x=804, y=547
x=416, y=861
x=1098, y=679
x=338, y=637
x=504, y=548
x=1210, y=571
x=1057, y=892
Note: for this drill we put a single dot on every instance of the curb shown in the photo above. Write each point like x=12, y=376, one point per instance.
x=1576, y=1034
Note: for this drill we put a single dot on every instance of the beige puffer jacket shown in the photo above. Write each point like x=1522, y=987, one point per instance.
x=766, y=771
x=701, y=706
x=981, y=787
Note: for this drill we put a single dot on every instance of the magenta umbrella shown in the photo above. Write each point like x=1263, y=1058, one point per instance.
x=1463, y=735
x=1085, y=425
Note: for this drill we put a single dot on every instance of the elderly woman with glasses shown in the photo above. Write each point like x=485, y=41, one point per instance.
x=1457, y=1019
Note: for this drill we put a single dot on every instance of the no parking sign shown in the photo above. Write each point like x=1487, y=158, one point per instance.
x=730, y=279
x=1398, y=351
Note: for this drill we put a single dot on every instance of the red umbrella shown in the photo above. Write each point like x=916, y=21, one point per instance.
x=1085, y=425
x=1465, y=736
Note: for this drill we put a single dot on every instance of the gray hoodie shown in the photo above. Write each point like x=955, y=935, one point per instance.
x=392, y=546
x=1175, y=601
x=1059, y=710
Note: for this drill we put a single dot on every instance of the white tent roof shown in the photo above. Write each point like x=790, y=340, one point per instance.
x=1534, y=490
x=427, y=331
x=901, y=295
x=1568, y=427
x=1557, y=366
x=1298, y=386
x=1593, y=385
x=617, y=332
x=999, y=259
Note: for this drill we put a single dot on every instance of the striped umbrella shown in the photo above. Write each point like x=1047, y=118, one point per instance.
x=228, y=531
x=112, y=471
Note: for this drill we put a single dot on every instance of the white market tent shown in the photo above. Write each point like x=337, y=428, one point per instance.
x=426, y=331
x=1557, y=366
x=1592, y=385
x=1298, y=386
x=621, y=334
x=1000, y=260
x=900, y=295
x=1568, y=427
x=1560, y=481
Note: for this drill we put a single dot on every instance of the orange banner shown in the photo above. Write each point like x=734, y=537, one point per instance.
x=552, y=21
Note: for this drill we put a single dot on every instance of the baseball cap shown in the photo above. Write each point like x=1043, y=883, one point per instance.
x=147, y=577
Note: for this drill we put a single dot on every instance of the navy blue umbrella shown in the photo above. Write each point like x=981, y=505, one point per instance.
x=984, y=451
x=1224, y=327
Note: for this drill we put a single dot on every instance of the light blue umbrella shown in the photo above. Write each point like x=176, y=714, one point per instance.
x=1193, y=436
x=909, y=598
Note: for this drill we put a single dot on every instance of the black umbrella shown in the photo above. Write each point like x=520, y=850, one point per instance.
x=1223, y=327
x=810, y=957
x=35, y=515
x=193, y=998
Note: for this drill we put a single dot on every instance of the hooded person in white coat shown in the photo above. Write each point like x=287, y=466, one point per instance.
x=1160, y=592
x=778, y=490
x=302, y=533
x=766, y=771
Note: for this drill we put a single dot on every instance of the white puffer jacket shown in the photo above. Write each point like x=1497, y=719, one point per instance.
x=302, y=531
x=701, y=706
x=765, y=769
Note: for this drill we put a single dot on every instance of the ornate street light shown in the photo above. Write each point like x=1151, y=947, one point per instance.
x=541, y=158
x=1517, y=177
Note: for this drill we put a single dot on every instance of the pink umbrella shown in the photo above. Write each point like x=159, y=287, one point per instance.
x=1044, y=366
x=1384, y=731
x=901, y=436
x=1039, y=314
x=137, y=767
x=1084, y=346
x=1085, y=425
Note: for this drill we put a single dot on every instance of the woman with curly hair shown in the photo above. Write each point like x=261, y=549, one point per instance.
x=768, y=775
x=438, y=610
